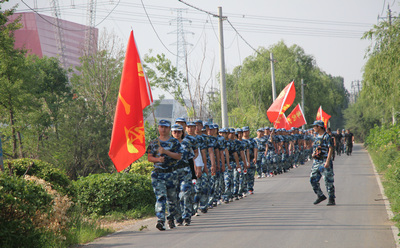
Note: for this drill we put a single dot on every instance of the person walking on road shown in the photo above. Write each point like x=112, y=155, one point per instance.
x=164, y=152
x=322, y=165
x=349, y=142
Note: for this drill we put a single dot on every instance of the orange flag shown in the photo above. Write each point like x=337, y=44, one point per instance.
x=282, y=102
x=127, y=139
x=296, y=117
x=282, y=122
x=321, y=115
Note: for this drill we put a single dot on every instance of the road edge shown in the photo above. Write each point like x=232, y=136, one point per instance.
x=389, y=212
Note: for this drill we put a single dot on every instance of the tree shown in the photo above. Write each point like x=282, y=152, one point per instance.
x=14, y=94
x=250, y=85
x=381, y=72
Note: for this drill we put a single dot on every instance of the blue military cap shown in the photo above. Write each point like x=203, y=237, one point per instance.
x=239, y=130
x=203, y=129
x=319, y=123
x=222, y=130
x=216, y=126
x=245, y=129
x=191, y=124
x=272, y=129
x=176, y=127
x=206, y=124
x=198, y=121
x=267, y=128
x=211, y=126
x=180, y=119
x=164, y=123
x=231, y=130
x=260, y=130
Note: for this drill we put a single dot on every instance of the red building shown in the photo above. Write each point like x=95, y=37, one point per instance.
x=39, y=36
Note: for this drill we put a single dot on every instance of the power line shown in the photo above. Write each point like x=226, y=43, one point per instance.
x=148, y=17
x=74, y=30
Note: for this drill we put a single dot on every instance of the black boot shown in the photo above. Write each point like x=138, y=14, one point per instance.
x=320, y=199
x=331, y=201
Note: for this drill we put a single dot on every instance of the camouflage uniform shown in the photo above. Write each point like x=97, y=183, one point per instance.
x=201, y=187
x=184, y=179
x=318, y=170
x=260, y=142
x=213, y=144
x=163, y=178
x=251, y=171
x=228, y=174
x=220, y=186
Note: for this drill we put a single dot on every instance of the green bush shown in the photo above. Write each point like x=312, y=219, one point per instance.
x=101, y=194
x=43, y=170
x=21, y=205
x=142, y=168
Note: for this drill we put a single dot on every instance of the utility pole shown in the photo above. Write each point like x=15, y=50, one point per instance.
x=273, y=77
x=302, y=100
x=224, y=104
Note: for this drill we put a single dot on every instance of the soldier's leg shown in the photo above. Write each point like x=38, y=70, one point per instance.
x=173, y=208
x=160, y=191
x=205, y=192
x=315, y=177
x=250, y=178
x=228, y=185
x=212, y=184
x=185, y=194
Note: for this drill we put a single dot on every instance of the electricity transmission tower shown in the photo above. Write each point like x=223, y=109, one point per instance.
x=59, y=32
x=90, y=39
x=181, y=43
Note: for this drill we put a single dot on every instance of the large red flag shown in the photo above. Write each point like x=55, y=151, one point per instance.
x=127, y=139
x=282, y=102
x=321, y=115
x=282, y=122
x=296, y=117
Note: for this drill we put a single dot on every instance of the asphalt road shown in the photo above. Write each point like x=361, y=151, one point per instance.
x=281, y=214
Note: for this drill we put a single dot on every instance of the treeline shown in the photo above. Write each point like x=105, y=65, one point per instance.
x=59, y=116
x=378, y=103
x=249, y=87
x=373, y=117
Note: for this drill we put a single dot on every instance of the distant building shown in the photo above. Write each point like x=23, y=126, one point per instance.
x=39, y=36
x=168, y=109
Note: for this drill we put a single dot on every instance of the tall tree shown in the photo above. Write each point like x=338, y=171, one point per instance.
x=14, y=94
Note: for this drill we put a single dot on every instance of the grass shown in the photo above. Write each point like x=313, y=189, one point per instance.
x=387, y=162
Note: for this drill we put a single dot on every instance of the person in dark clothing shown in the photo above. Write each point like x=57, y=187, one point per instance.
x=349, y=142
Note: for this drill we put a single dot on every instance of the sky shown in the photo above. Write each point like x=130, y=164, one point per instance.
x=328, y=30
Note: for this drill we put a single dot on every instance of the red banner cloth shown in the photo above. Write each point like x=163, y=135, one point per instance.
x=282, y=102
x=296, y=117
x=127, y=139
x=321, y=115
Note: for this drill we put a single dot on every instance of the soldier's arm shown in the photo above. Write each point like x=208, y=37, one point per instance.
x=227, y=159
x=235, y=155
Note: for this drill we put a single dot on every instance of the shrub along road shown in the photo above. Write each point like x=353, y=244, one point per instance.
x=281, y=214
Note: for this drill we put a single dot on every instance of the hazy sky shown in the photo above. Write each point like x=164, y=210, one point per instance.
x=329, y=30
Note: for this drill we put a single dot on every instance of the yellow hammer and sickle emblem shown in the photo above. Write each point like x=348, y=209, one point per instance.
x=126, y=105
x=129, y=141
x=140, y=70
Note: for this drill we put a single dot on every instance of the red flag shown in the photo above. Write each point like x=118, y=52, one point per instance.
x=321, y=115
x=127, y=139
x=296, y=117
x=282, y=122
x=282, y=102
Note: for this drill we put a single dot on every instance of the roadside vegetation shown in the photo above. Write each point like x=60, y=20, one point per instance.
x=373, y=118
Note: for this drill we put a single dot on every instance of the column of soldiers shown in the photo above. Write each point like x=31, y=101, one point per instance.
x=198, y=166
